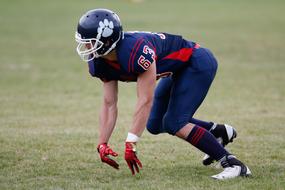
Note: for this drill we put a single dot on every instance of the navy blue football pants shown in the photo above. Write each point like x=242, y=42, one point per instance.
x=178, y=97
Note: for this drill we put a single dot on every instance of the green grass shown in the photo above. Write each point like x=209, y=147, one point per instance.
x=49, y=104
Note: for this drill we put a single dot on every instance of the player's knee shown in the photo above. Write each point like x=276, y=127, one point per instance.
x=154, y=127
x=173, y=124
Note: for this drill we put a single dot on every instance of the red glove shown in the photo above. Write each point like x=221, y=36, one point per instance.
x=104, y=151
x=131, y=157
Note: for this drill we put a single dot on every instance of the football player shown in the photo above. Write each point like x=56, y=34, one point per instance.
x=186, y=70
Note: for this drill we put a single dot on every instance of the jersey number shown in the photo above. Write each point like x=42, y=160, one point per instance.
x=143, y=61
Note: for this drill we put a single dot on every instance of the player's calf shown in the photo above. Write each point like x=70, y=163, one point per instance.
x=224, y=134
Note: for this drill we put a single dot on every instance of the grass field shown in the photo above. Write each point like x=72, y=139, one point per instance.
x=49, y=104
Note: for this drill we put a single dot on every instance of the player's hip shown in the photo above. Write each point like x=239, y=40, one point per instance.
x=203, y=59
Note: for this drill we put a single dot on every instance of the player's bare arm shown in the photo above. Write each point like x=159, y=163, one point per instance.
x=108, y=117
x=109, y=110
x=145, y=90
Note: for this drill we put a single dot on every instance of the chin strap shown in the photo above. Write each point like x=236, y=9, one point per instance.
x=114, y=44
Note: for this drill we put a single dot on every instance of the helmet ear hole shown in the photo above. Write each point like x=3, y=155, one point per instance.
x=107, y=43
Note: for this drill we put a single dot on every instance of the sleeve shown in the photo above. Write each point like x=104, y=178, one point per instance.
x=91, y=66
x=142, y=56
x=96, y=70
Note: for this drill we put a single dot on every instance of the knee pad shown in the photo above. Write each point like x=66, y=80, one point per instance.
x=154, y=126
x=172, y=124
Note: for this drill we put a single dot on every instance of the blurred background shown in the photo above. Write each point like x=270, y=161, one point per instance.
x=49, y=104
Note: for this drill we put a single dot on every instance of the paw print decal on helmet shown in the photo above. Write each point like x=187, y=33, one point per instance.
x=105, y=28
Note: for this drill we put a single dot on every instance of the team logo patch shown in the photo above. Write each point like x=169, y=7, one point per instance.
x=105, y=28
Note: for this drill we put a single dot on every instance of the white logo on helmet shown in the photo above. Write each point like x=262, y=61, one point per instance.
x=105, y=28
x=78, y=35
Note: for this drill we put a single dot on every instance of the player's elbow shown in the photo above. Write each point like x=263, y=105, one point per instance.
x=146, y=100
x=109, y=102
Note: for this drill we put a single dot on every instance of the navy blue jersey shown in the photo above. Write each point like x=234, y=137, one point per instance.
x=138, y=50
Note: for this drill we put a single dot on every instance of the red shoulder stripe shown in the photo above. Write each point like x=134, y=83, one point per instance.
x=131, y=55
x=139, y=44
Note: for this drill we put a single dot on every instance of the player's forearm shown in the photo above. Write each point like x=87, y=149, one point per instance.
x=108, y=119
x=141, y=115
x=145, y=90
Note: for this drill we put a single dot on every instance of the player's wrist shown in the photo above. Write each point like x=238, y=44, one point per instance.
x=132, y=138
x=101, y=145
